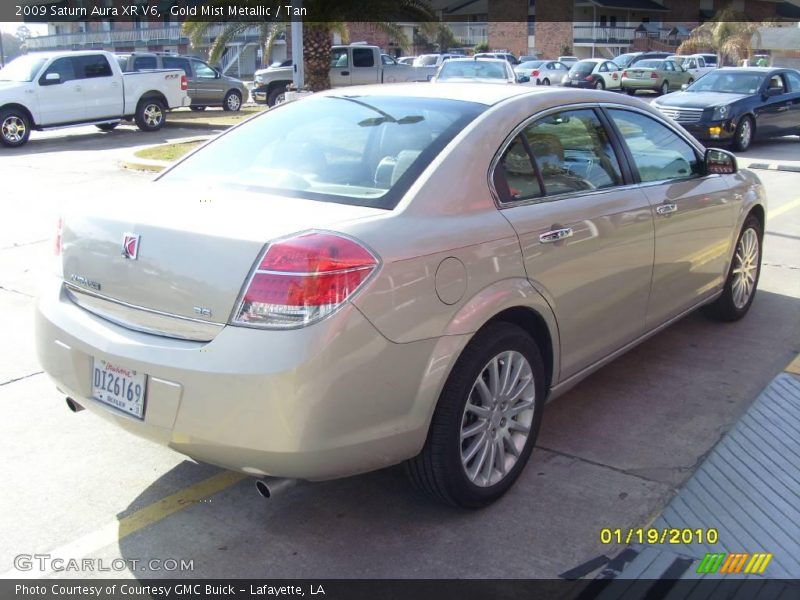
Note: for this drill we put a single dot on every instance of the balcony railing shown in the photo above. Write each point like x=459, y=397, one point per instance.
x=170, y=35
x=599, y=34
x=470, y=34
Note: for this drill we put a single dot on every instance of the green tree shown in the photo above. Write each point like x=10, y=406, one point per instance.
x=730, y=34
x=324, y=18
x=481, y=47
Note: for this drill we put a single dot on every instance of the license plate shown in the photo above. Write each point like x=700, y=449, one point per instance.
x=119, y=386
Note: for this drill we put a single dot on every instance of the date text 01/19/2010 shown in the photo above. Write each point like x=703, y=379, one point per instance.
x=667, y=535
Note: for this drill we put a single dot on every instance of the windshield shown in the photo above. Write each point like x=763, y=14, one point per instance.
x=583, y=67
x=426, y=60
x=364, y=150
x=471, y=69
x=649, y=64
x=532, y=64
x=729, y=82
x=23, y=68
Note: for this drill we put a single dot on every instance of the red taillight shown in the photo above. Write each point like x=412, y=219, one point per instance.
x=588, y=78
x=624, y=73
x=59, y=227
x=184, y=84
x=654, y=75
x=535, y=73
x=303, y=279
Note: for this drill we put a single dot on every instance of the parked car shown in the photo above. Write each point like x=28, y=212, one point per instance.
x=732, y=105
x=568, y=60
x=543, y=72
x=527, y=58
x=433, y=60
x=711, y=59
x=402, y=275
x=657, y=75
x=477, y=70
x=59, y=89
x=648, y=56
x=354, y=64
x=507, y=56
x=623, y=60
x=597, y=73
x=407, y=60
x=694, y=64
x=206, y=85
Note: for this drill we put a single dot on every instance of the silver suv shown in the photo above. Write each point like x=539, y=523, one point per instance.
x=206, y=85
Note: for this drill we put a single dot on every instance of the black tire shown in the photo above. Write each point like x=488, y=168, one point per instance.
x=724, y=308
x=438, y=470
x=15, y=128
x=150, y=114
x=545, y=81
x=664, y=89
x=107, y=126
x=232, y=101
x=275, y=95
x=198, y=108
x=743, y=136
x=631, y=91
x=599, y=85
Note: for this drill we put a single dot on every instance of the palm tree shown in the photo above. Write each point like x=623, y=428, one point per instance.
x=324, y=18
x=730, y=34
x=199, y=31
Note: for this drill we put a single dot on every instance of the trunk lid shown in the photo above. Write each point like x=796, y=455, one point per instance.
x=192, y=251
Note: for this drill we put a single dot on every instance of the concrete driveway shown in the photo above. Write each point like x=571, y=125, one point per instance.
x=611, y=453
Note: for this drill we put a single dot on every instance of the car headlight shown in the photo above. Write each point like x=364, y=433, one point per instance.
x=259, y=78
x=720, y=112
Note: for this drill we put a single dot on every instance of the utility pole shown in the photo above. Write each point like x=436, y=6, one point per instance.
x=298, y=72
x=2, y=54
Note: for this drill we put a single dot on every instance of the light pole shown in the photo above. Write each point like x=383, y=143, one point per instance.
x=298, y=72
x=2, y=54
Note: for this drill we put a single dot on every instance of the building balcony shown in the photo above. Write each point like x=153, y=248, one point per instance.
x=603, y=34
x=470, y=34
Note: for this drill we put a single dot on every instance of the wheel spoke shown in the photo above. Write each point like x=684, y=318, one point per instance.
x=473, y=429
x=481, y=411
x=519, y=408
x=474, y=447
x=511, y=446
x=500, y=456
x=488, y=465
x=494, y=376
x=484, y=392
x=506, y=372
x=476, y=468
x=517, y=426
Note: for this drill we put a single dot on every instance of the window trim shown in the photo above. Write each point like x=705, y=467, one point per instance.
x=700, y=155
x=622, y=159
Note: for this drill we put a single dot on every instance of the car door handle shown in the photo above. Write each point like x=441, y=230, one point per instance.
x=666, y=209
x=345, y=73
x=555, y=235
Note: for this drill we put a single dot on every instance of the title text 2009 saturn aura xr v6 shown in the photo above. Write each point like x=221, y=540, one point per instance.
x=395, y=273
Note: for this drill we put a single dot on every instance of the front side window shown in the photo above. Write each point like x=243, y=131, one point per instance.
x=363, y=57
x=64, y=67
x=354, y=149
x=659, y=153
x=203, y=71
x=339, y=58
x=794, y=81
x=91, y=66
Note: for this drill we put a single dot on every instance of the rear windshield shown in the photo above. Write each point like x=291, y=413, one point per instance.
x=648, y=64
x=583, y=67
x=363, y=150
x=472, y=69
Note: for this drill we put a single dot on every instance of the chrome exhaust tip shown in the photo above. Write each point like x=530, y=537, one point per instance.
x=73, y=406
x=269, y=486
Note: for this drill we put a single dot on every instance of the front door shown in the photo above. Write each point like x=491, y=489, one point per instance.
x=61, y=100
x=207, y=83
x=586, y=238
x=340, y=68
x=693, y=214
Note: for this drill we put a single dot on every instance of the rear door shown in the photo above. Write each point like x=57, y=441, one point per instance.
x=61, y=101
x=586, y=237
x=340, y=67
x=693, y=213
x=102, y=91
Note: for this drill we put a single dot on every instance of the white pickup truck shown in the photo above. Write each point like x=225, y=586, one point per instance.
x=61, y=89
x=356, y=64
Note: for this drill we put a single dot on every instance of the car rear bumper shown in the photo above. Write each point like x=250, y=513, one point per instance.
x=641, y=84
x=329, y=400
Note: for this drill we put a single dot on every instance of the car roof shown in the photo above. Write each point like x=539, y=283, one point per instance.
x=595, y=60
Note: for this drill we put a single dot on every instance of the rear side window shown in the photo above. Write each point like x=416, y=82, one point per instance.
x=363, y=57
x=515, y=178
x=170, y=62
x=95, y=65
x=141, y=63
x=659, y=153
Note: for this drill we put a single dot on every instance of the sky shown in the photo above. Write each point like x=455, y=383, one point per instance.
x=36, y=28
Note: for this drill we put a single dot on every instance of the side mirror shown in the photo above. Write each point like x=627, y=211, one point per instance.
x=769, y=92
x=52, y=79
x=523, y=79
x=684, y=87
x=720, y=162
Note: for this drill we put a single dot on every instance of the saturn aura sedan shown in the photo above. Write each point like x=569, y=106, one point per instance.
x=394, y=274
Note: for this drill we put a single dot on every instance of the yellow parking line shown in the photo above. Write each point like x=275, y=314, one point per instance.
x=785, y=208
x=178, y=501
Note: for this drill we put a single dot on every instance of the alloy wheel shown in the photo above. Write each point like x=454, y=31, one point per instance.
x=497, y=418
x=13, y=129
x=745, y=268
x=153, y=115
x=745, y=133
x=234, y=102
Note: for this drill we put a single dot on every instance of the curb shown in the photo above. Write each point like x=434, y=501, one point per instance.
x=134, y=163
x=774, y=167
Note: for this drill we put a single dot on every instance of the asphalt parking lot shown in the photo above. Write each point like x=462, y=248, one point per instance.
x=611, y=453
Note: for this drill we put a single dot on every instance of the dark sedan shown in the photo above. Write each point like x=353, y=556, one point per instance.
x=736, y=106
